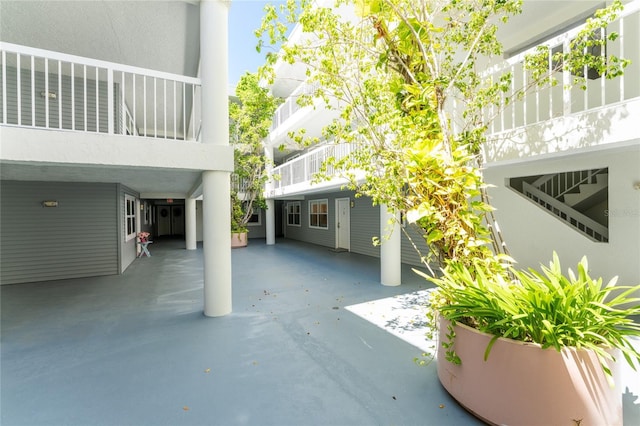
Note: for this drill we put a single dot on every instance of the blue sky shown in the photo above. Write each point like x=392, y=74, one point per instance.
x=244, y=18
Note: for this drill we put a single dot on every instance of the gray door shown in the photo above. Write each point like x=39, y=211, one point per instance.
x=164, y=220
x=177, y=220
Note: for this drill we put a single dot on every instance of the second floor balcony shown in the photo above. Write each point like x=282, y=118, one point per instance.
x=51, y=90
x=543, y=120
x=299, y=175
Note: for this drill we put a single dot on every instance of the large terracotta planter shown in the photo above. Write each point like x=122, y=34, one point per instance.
x=522, y=384
x=238, y=239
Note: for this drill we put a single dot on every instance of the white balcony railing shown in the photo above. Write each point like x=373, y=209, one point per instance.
x=302, y=169
x=52, y=90
x=290, y=105
x=546, y=103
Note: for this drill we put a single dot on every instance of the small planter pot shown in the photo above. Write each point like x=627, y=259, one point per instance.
x=238, y=239
x=523, y=384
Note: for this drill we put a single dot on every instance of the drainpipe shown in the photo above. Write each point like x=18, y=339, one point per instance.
x=214, y=16
x=390, y=249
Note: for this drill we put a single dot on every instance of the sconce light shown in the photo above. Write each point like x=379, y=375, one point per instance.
x=50, y=95
x=50, y=203
x=141, y=206
x=353, y=204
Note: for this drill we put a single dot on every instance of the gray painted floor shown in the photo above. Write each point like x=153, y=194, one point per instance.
x=136, y=349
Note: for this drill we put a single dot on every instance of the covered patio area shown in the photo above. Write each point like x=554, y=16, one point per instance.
x=136, y=349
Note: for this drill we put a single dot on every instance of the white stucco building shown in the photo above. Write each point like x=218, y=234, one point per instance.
x=114, y=120
x=565, y=164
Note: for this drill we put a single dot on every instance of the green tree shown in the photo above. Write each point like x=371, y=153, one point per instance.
x=250, y=117
x=394, y=69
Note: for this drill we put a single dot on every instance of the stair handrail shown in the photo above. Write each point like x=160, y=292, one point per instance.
x=528, y=189
x=590, y=174
x=543, y=180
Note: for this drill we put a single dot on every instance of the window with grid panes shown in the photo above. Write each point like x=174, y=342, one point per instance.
x=319, y=214
x=293, y=213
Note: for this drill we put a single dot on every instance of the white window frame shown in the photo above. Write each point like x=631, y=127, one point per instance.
x=299, y=213
x=130, y=217
x=320, y=202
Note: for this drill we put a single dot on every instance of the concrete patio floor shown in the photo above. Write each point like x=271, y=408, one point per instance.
x=135, y=349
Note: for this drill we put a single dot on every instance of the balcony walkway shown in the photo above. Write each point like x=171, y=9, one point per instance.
x=135, y=349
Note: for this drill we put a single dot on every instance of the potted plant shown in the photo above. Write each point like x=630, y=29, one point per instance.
x=552, y=336
x=394, y=72
x=250, y=116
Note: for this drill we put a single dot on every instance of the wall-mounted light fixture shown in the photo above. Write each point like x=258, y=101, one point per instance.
x=50, y=203
x=49, y=94
x=636, y=186
x=353, y=204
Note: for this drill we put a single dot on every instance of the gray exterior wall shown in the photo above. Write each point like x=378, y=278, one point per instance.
x=322, y=237
x=409, y=253
x=258, y=231
x=79, y=238
x=365, y=224
x=63, y=100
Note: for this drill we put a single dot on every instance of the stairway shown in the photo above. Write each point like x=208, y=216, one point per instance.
x=589, y=194
x=578, y=198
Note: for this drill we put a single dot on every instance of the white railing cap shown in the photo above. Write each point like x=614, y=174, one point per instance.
x=64, y=57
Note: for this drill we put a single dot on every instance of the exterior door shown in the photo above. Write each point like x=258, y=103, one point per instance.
x=343, y=223
x=177, y=220
x=164, y=220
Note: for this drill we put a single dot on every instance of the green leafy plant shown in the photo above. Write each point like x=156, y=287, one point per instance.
x=250, y=117
x=393, y=70
x=550, y=308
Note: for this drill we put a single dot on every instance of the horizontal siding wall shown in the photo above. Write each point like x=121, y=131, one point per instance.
x=409, y=253
x=322, y=237
x=63, y=100
x=258, y=230
x=76, y=239
x=365, y=224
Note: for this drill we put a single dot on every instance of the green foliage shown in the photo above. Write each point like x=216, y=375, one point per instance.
x=393, y=72
x=583, y=53
x=549, y=308
x=250, y=119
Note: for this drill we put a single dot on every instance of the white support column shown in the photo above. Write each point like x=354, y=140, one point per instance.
x=190, y=223
x=215, y=184
x=271, y=211
x=390, y=249
x=216, y=243
x=271, y=222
